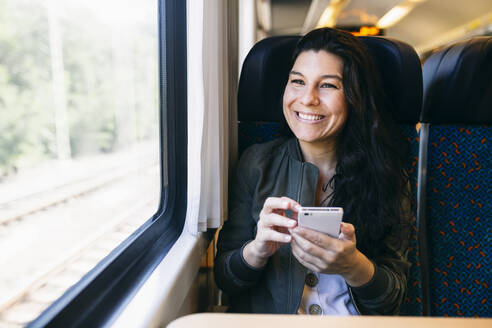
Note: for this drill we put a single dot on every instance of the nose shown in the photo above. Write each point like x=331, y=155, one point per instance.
x=310, y=97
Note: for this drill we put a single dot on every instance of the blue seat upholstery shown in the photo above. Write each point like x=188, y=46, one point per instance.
x=263, y=78
x=456, y=116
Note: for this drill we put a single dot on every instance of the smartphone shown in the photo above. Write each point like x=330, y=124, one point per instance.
x=323, y=219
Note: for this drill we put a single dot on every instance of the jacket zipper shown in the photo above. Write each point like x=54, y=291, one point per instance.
x=289, y=300
x=300, y=184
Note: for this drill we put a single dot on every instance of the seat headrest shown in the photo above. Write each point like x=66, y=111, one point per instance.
x=263, y=77
x=401, y=73
x=266, y=69
x=458, y=83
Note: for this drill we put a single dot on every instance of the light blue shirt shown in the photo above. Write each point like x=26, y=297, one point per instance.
x=330, y=293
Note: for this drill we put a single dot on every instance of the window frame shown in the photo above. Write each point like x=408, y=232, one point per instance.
x=103, y=292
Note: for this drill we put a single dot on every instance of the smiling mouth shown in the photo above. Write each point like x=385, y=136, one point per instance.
x=309, y=117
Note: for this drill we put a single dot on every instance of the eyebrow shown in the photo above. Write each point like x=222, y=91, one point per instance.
x=326, y=76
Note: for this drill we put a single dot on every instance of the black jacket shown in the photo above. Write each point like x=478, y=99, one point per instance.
x=276, y=169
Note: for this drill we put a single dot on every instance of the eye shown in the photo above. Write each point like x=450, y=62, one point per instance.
x=297, y=81
x=328, y=85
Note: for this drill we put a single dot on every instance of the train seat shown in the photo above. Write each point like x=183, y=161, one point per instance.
x=401, y=73
x=457, y=208
x=263, y=78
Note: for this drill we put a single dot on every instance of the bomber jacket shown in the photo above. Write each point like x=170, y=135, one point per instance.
x=276, y=169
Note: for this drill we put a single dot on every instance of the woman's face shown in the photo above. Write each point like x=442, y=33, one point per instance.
x=314, y=100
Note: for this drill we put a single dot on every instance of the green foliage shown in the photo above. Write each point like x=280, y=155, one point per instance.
x=24, y=81
x=110, y=72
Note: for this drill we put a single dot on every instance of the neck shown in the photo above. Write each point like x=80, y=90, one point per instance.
x=321, y=154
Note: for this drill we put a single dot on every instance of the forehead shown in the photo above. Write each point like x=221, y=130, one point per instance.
x=318, y=62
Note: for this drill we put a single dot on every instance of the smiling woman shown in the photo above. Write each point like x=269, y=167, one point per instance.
x=334, y=160
x=314, y=101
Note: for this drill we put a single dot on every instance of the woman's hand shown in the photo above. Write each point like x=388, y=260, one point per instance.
x=324, y=254
x=272, y=230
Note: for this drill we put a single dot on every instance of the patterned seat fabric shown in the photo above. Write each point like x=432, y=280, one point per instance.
x=457, y=112
x=459, y=206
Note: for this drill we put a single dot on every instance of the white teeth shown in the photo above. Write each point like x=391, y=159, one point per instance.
x=310, y=117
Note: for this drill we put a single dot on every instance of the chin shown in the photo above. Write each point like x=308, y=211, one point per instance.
x=306, y=137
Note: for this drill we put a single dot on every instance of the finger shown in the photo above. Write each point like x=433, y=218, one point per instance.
x=308, y=247
x=272, y=235
x=297, y=252
x=276, y=220
x=318, y=238
x=283, y=203
x=316, y=261
x=293, y=205
x=347, y=232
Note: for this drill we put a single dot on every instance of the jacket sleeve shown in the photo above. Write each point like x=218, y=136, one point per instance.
x=232, y=273
x=384, y=294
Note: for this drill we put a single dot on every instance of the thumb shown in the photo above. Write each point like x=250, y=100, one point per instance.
x=347, y=232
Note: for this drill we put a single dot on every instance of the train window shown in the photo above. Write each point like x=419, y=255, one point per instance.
x=87, y=143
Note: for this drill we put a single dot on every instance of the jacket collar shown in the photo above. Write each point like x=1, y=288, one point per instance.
x=294, y=149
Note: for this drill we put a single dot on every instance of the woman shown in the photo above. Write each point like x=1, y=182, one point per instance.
x=343, y=154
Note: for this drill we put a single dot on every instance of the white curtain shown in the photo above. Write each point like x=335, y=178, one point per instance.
x=211, y=111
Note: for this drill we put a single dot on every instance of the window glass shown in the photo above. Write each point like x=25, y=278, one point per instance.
x=79, y=147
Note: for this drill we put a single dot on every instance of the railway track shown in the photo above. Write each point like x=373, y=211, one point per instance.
x=51, y=237
x=27, y=303
x=14, y=210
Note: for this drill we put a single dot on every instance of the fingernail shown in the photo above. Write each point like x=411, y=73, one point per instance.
x=287, y=238
x=298, y=208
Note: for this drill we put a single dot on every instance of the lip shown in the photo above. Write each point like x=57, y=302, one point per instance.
x=296, y=114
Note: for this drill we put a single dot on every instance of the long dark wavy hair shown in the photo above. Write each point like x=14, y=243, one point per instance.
x=370, y=182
